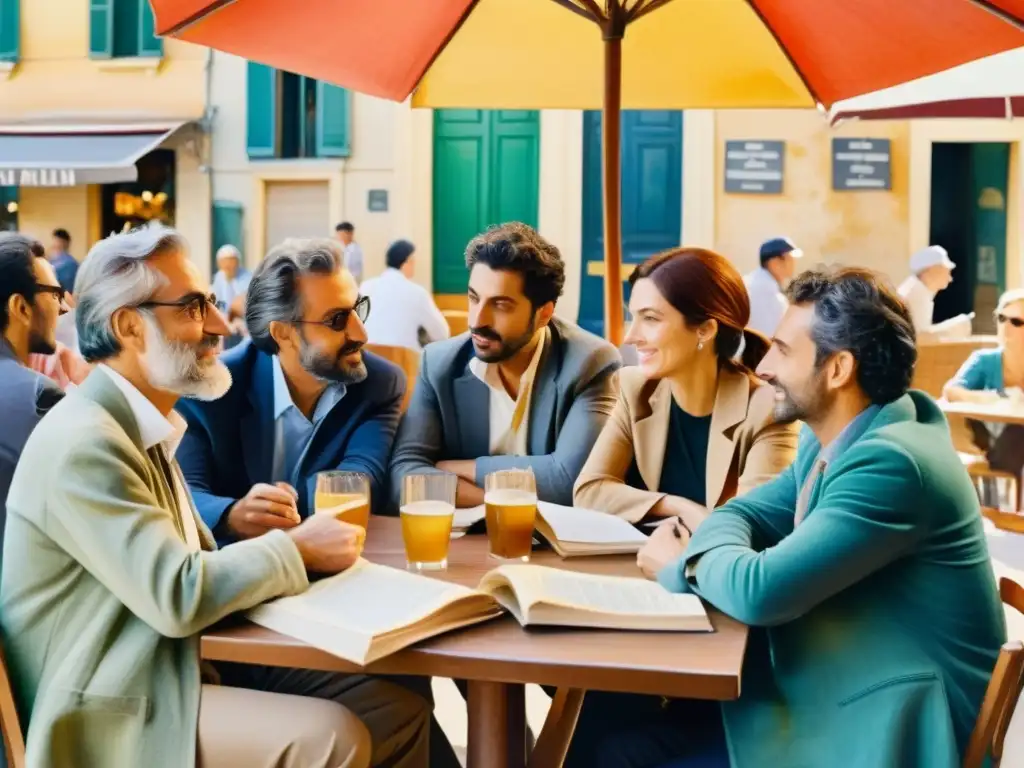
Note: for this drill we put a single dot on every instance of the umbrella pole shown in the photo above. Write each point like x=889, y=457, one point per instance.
x=612, y=180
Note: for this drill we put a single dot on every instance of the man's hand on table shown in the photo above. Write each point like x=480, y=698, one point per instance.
x=665, y=544
x=328, y=545
x=264, y=508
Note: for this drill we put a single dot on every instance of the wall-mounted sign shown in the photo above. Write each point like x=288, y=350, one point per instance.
x=754, y=167
x=859, y=164
x=36, y=177
x=377, y=200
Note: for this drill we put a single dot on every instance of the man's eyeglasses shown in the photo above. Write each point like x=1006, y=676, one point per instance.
x=56, y=290
x=194, y=306
x=1016, y=322
x=338, y=322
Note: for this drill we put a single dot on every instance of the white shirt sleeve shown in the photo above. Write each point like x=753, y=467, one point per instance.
x=432, y=319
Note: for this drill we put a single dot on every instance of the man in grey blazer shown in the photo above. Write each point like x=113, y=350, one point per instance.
x=31, y=300
x=520, y=389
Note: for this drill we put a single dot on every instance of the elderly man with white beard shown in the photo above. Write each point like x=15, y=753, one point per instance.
x=109, y=575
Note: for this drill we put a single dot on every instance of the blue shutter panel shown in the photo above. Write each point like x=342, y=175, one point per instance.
x=149, y=43
x=10, y=32
x=333, y=115
x=227, y=227
x=261, y=115
x=101, y=28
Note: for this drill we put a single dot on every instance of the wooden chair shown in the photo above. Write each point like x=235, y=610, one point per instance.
x=406, y=359
x=553, y=742
x=10, y=725
x=937, y=362
x=1002, y=694
x=979, y=471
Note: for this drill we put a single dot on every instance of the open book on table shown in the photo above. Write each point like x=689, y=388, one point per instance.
x=371, y=611
x=572, y=531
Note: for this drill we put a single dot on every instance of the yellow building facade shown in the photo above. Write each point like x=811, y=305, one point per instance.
x=932, y=195
x=101, y=124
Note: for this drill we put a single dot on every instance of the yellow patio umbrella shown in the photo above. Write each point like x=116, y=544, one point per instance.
x=607, y=54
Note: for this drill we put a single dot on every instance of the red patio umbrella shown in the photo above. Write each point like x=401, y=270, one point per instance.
x=585, y=54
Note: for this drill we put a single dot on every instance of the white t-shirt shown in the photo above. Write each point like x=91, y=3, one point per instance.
x=398, y=309
x=767, y=302
x=507, y=437
x=919, y=300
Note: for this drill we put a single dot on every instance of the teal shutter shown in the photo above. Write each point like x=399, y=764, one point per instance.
x=227, y=227
x=149, y=43
x=332, y=120
x=261, y=110
x=9, y=29
x=101, y=28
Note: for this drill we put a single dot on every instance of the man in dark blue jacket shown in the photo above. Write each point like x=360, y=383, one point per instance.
x=305, y=398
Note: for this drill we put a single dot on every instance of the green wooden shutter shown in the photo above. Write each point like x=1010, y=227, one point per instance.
x=149, y=43
x=101, y=28
x=261, y=110
x=9, y=29
x=332, y=120
x=227, y=227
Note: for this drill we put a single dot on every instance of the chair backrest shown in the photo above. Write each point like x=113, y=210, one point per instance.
x=10, y=725
x=406, y=359
x=938, y=362
x=1002, y=694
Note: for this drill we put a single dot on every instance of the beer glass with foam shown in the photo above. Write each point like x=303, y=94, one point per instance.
x=345, y=495
x=510, y=501
x=427, y=511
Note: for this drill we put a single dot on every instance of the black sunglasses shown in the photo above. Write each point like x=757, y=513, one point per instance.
x=195, y=306
x=1016, y=322
x=56, y=290
x=338, y=322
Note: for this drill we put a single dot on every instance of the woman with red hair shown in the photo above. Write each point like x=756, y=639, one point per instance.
x=693, y=427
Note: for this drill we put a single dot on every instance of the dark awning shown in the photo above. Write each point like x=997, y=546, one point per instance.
x=67, y=155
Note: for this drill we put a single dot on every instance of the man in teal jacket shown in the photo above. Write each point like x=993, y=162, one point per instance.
x=862, y=570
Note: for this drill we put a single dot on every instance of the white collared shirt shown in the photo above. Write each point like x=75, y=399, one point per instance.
x=155, y=429
x=398, y=309
x=506, y=441
x=767, y=301
x=919, y=300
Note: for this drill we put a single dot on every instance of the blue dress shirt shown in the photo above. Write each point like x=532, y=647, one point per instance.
x=292, y=430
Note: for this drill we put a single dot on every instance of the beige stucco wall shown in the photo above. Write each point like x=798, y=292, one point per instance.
x=869, y=228
x=371, y=166
x=55, y=80
x=56, y=77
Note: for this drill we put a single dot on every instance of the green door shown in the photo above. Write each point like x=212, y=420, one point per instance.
x=486, y=172
x=652, y=199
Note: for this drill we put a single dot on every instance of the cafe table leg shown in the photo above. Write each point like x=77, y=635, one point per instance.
x=497, y=725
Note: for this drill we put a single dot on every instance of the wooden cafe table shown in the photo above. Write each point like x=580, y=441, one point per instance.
x=1004, y=411
x=498, y=657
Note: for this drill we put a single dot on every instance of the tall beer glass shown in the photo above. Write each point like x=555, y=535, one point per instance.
x=427, y=511
x=510, y=500
x=346, y=495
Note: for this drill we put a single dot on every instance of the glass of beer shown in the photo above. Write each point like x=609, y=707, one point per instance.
x=427, y=511
x=510, y=502
x=345, y=495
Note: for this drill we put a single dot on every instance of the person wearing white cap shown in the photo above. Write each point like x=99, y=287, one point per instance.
x=931, y=271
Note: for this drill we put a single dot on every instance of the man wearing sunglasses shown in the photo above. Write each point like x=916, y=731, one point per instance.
x=31, y=300
x=305, y=398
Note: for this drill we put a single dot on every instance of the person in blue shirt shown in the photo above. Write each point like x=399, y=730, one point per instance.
x=990, y=375
x=305, y=398
x=64, y=264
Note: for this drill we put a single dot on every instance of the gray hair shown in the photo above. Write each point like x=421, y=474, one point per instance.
x=113, y=276
x=228, y=252
x=274, y=292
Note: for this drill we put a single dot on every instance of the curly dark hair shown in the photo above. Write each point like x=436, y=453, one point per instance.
x=858, y=310
x=517, y=247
